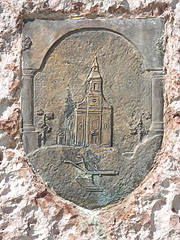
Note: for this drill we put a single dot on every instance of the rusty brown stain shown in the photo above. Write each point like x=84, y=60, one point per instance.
x=11, y=125
x=77, y=7
x=115, y=10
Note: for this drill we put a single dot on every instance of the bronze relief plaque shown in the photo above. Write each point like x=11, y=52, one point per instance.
x=92, y=103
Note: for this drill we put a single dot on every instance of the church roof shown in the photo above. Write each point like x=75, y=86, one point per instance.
x=94, y=70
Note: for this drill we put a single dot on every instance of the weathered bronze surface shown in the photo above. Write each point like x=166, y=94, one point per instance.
x=92, y=103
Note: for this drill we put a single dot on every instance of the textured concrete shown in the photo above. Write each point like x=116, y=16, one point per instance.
x=28, y=209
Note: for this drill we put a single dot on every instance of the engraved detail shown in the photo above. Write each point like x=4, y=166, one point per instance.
x=64, y=135
x=27, y=91
x=89, y=169
x=93, y=113
x=88, y=122
x=139, y=128
x=26, y=43
x=160, y=44
x=45, y=127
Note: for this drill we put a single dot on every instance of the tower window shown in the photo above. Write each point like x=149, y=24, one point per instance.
x=95, y=86
x=80, y=125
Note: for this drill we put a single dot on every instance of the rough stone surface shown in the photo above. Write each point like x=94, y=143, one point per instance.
x=29, y=210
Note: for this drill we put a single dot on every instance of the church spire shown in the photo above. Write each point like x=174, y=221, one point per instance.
x=94, y=79
x=95, y=67
x=95, y=63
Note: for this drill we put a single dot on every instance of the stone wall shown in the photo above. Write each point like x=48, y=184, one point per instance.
x=28, y=209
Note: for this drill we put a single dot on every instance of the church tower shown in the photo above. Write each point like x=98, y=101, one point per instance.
x=93, y=115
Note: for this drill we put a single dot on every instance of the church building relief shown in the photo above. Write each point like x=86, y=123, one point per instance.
x=90, y=122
